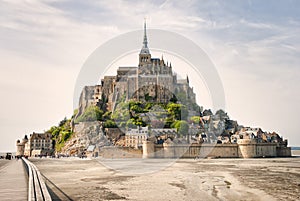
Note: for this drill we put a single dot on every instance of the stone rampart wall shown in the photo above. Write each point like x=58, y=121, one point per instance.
x=196, y=150
x=120, y=152
x=243, y=150
x=283, y=151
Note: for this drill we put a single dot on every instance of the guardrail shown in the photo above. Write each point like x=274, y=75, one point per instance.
x=37, y=190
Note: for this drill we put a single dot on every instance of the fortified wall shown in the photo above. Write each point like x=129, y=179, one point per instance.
x=120, y=152
x=247, y=148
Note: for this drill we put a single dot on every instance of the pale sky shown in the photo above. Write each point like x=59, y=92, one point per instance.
x=255, y=46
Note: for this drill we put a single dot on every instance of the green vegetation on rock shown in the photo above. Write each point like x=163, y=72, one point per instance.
x=109, y=124
x=61, y=133
x=92, y=113
x=195, y=119
x=136, y=113
x=182, y=127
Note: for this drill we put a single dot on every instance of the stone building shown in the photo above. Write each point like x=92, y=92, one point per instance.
x=135, y=137
x=162, y=134
x=21, y=146
x=152, y=80
x=39, y=144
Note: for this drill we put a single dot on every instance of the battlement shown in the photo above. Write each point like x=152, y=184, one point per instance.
x=249, y=149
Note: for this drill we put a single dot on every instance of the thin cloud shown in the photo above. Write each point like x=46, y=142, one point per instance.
x=257, y=25
x=255, y=48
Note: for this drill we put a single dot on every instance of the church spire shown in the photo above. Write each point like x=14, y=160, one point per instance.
x=145, y=49
x=145, y=42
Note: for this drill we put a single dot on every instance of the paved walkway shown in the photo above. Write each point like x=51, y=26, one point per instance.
x=13, y=181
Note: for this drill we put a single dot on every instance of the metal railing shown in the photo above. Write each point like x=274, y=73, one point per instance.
x=37, y=190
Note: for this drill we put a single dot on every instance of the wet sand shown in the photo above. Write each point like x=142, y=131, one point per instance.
x=186, y=179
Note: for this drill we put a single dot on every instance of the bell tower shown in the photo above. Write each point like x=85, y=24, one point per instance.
x=144, y=56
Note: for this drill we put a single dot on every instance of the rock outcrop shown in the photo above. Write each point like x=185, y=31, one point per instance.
x=85, y=134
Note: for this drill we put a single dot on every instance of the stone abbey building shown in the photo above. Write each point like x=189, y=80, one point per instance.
x=153, y=80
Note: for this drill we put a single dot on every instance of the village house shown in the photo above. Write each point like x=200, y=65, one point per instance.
x=39, y=144
x=135, y=137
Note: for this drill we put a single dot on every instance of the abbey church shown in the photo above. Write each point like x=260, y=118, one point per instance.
x=152, y=80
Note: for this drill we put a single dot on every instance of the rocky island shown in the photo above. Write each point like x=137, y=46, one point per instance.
x=145, y=111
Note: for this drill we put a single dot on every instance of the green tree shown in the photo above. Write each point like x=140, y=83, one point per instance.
x=106, y=115
x=169, y=122
x=148, y=106
x=54, y=130
x=177, y=111
x=130, y=123
x=139, y=122
x=92, y=113
x=136, y=108
x=195, y=119
x=61, y=133
x=181, y=126
x=109, y=124
x=62, y=122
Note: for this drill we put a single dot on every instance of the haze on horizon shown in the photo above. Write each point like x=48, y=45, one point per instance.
x=255, y=46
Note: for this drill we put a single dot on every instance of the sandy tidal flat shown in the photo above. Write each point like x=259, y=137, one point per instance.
x=186, y=179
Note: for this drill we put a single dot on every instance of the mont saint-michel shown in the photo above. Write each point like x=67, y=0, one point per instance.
x=146, y=111
x=150, y=100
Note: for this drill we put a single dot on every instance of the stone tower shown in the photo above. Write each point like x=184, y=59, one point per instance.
x=21, y=146
x=145, y=56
